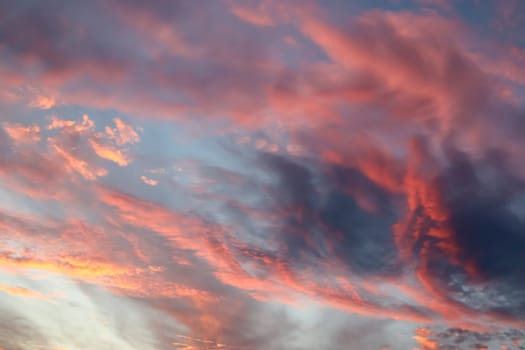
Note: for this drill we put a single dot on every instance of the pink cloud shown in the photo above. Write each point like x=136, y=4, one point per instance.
x=110, y=153
x=123, y=133
x=43, y=102
x=23, y=292
x=23, y=133
x=149, y=181
x=344, y=159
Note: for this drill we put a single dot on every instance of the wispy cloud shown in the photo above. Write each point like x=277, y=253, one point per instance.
x=262, y=175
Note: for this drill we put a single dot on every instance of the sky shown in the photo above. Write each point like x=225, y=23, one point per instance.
x=262, y=175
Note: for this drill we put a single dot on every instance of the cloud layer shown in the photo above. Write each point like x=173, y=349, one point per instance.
x=262, y=175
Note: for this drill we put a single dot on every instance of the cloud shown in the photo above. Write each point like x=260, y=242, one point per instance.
x=346, y=174
x=72, y=126
x=109, y=153
x=455, y=338
x=123, y=133
x=23, y=134
x=74, y=164
x=149, y=181
x=22, y=332
x=255, y=15
x=59, y=152
x=22, y=292
x=43, y=102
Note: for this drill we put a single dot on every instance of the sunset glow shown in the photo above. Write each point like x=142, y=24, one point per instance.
x=262, y=175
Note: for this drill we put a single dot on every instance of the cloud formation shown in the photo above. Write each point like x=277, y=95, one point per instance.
x=227, y=175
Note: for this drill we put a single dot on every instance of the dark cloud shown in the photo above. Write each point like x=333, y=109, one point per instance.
x=320, y=211
x=60, y=36
x=487, y=234
x=204, y=62
x=486, y=229
x=461, y=339
x=321, y=218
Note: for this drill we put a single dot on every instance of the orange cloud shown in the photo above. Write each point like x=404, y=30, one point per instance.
x=148, y=181
x=43, y=102
x=23, y=292
x=90, y=257
x=110, y=153
x=75, y=165
x=425, y=343
x=67, y=265
x=20, y=133
x=72, y=126
x=377, y=82
x=123, y=133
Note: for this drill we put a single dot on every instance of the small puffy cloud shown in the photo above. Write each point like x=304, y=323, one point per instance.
x=107, y=144
x=426, y=343
x=110, y=153
x=43, y=102
x=149, y=181
x=72, y=126
x=123, y=133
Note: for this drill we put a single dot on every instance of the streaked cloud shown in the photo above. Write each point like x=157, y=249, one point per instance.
x=262, y=175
